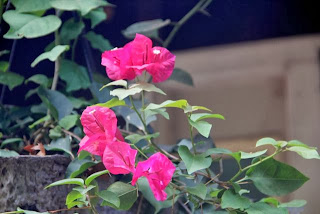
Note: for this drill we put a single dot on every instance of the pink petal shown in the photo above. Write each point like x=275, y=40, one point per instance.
x=161, y=64
x=119, y=158
x=158, y=169
x=96, y=119
x=117, y=62
x=95, y=144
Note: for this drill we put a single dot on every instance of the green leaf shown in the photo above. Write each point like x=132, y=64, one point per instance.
x=61, y=144
x=135, y=138
x=76, y=76
x=96, y=17
x=4, y=65
x=29, y=26
x=190, y=108
x=125, y=192
x=55, y=133
x=39, y=79
x=270, y=200
x=134, y=89
x=214, y=194
x=79, y=102
x=200, y=190
x=112, y=103
x=23, y=6
x=69, y=121
x=294, y=203
x=232, y=200
x=78, y=166
x=109, y=198
x=193, y=162
x=212, y=151
x=298, y=143
x=7, y=153
x=272, y=177
x=201, y=116
x=57, y=102
x=263, y=208
x=98, y=42
x=10, y=141
x=72, y=196
x=41, y=120
x=51, y=55
x=180, y=75
x=245, y=155
x=84, y=6
x=203, y=127
x=307, y=153
x=75, y=203
x=83, y=190
x=76, y=181
x=4, y=52
x=236, y=156
x=11, y=79
x=148, y=28
x=144, y=187
x=162, y=112
x=266, y=141
x=19, y=210
x=70, y=30
x=115, y=83
x=94, y=176
x=182, y=104
x=83, y=154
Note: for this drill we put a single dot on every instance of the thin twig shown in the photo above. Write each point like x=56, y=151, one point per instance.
x=185, y=207
x=71, y=134
x=66, y=209
x=140, y=205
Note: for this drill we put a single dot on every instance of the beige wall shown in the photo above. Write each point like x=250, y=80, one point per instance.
x=264, y=88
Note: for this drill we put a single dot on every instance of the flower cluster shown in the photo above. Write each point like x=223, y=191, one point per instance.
x=104, y=139
x=137, y=56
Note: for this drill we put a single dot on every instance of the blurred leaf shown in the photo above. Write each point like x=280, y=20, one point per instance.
x=270, y=200
x=169, y=103
x=7, y=153
x=76, y=167
x=125, y=192
x=203, y=127
x=274, y=178
x=4, y=52
x=134, y=89
x=144, y=187
x=115, y=83
x=193, y=162
x=307, y=153
x=96, y=17
x=75, y=203
x=58, y=103
x=161, y=111
x=69, y=121
x=98, y=42
x=94, y=176
x=29, y=26
x=245, y=155
x=61, y=144
x=72, y=196
x=212, y=151
x=19, y=210
x=180, y=75
x=23, y=6
x=112, y=103
x=70, y=30
x=10, y=141
x=84, y=6
x=135, y=138
x=294, y=203
x=79, y=102
x=199, y=190
x=298, y=143
x=39, y=79
x=148, y=28
x=55, y=133
x=101, y=96
x=11, y=79
x=266, y=141
x=4, y=65
x=232, y=200
x=51, y=55
x=261, y=208
x=76, y=76
x=76, y=181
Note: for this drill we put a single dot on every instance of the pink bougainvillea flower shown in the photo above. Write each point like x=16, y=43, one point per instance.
x=118, y=62
x=100, y=126
x=137, y=56
x=158, y=170
x=119, y=158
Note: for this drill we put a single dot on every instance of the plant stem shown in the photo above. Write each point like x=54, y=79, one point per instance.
x=93, y=209
x=146, y=157
x=74, y=45
x=146, y=132
x=57, y=62
x=182, y=21
x=191, y=137
x=254, y=164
